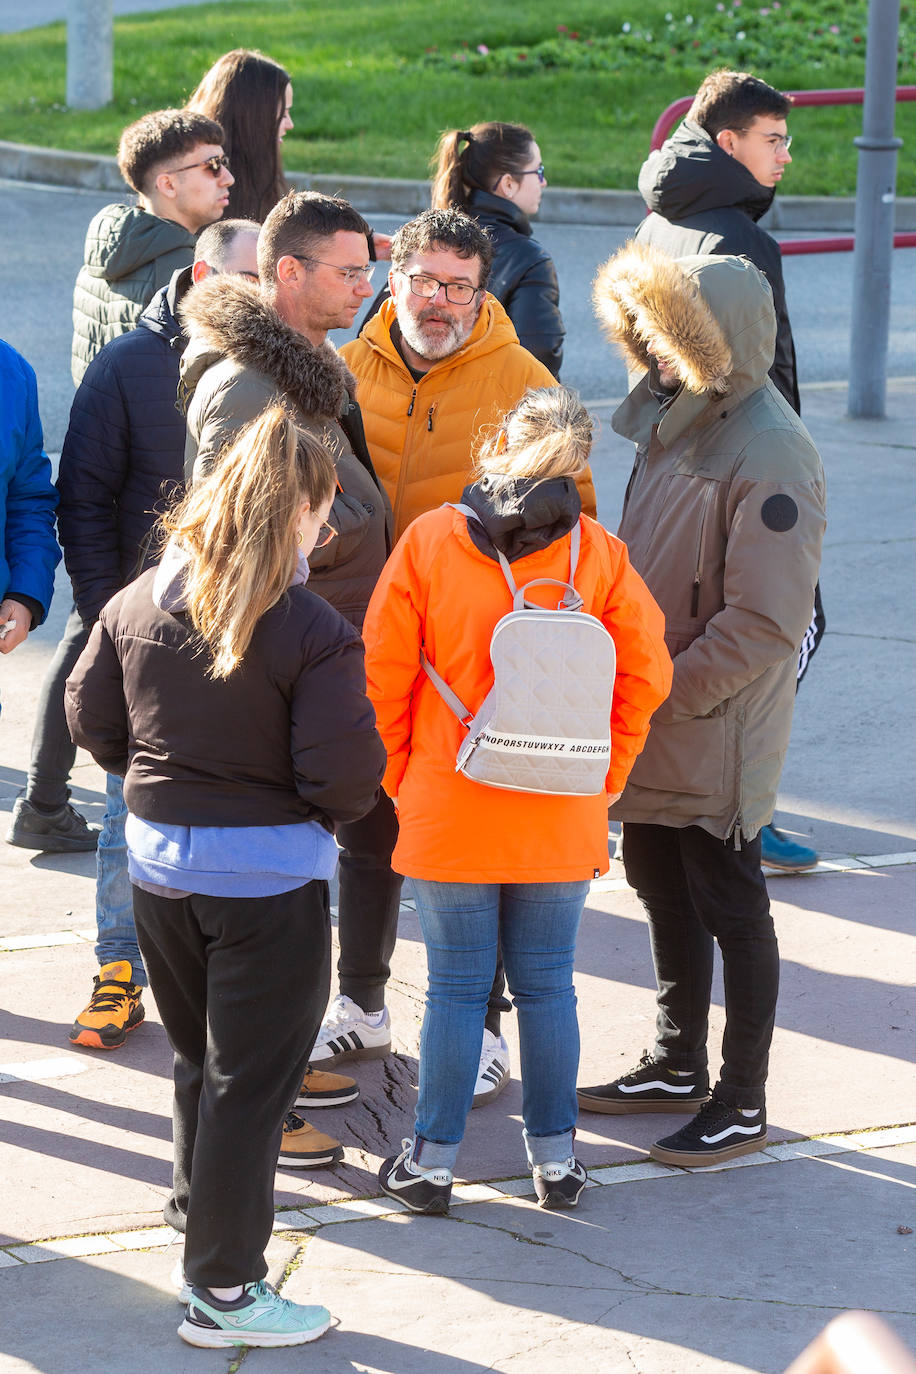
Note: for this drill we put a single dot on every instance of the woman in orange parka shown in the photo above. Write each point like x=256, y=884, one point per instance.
x=494, y=867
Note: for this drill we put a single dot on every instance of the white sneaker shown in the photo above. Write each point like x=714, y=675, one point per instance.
x=493, y=1073
x=346, y=1034
x=179, y=1282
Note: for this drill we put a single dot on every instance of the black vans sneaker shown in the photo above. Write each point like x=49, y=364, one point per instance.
x=650, y=1087
x=559, y=1183
x=718, y=1132
x=422, y=1190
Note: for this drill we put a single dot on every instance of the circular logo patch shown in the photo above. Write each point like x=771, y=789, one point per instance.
x=779, y=513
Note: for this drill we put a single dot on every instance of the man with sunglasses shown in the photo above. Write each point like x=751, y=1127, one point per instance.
x=707, y=187
x=174, y=161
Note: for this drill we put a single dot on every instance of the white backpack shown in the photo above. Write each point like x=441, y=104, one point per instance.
x=545, y=724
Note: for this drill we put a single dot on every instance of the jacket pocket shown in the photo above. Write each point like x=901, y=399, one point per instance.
x=351, y=519
x=688, y=756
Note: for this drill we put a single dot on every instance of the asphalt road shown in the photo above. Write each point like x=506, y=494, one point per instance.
x=42, y=231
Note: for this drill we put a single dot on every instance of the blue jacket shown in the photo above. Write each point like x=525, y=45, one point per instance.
x=123, y=455
x=29, y=552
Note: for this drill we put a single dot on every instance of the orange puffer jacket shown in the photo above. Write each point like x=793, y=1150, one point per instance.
x=439, y=591
x=423, y=435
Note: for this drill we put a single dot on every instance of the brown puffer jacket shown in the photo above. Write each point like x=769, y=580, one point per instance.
x=241, y=358
x=724, y=519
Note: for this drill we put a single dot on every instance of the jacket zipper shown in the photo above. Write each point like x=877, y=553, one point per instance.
x=698, y=562
x=429, y=418
x=412, y=399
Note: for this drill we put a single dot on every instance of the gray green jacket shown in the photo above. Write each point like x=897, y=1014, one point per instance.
x=129, y=255
x=243, y=358
x=723, y=517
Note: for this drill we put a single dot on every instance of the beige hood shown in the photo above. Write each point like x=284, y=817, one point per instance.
x=709, y=317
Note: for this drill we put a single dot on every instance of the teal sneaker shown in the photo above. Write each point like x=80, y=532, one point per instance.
x=259, y=1317
x=777, y=850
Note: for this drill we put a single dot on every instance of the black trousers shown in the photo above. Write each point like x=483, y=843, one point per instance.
x=241, y=985
x=696, y=889
x=53, y=751
x=370, y=899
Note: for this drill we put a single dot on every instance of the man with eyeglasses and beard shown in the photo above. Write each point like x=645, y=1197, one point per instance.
x=437, y=365
x=174, y=161
x=707, y=187
x=250, y=346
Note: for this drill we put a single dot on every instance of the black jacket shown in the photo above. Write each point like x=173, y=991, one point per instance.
x=123, y=454
x=523, y=278
x=707, y=202
x=289, y=736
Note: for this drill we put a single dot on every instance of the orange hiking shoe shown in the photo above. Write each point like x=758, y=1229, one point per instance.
x=114, y=1009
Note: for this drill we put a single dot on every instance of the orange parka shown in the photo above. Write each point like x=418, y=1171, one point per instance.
x=423, y=434
x=439, y=591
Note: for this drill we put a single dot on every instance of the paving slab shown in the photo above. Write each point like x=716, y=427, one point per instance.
x=707, y=1271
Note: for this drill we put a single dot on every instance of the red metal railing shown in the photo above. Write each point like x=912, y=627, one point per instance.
x=837, y=243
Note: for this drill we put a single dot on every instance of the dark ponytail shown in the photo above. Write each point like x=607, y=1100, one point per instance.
x=490, y=151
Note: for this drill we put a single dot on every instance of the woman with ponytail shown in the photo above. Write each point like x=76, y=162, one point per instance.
x=494, y=172
x=232, y=701
x=493, y=867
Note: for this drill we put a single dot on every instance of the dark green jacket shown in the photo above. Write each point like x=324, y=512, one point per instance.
x=129, y=255
x=723, y=519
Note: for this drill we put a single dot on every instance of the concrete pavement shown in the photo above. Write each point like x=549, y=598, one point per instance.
x=659, y=1271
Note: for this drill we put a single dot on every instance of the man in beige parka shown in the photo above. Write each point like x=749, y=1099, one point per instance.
x=724, y=519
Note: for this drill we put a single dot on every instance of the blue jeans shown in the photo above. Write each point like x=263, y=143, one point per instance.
x=463, y=925
x=114, y=901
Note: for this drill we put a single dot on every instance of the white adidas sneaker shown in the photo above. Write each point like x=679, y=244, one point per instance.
x=493, y=1072
x=346, y=1034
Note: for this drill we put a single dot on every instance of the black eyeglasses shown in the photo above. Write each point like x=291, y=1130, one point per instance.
x=349, y=274
x=538, y=172
x=456, y=292
x=214, y=165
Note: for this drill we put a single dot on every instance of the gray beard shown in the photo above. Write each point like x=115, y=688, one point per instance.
x=432, y=350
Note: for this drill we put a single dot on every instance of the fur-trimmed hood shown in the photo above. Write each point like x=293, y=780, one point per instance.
x=227, y=317
x=710, y=317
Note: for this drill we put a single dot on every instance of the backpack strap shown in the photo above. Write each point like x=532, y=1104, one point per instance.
x=451, y=699
x=571, y=601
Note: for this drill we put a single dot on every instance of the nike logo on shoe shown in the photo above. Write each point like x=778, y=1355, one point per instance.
x=440, y=1177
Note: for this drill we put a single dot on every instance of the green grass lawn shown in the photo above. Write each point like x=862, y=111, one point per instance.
x=376, y=80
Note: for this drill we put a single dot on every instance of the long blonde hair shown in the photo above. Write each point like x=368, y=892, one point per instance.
x=547, y=434
x=238, y=528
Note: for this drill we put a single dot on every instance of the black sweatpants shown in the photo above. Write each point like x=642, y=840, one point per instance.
x=695, y=889
x=241, y=985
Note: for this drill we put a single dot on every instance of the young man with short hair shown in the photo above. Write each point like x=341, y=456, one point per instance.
x=724, y=519
x=174, y=161
x=707, y=187
x=122, y=461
